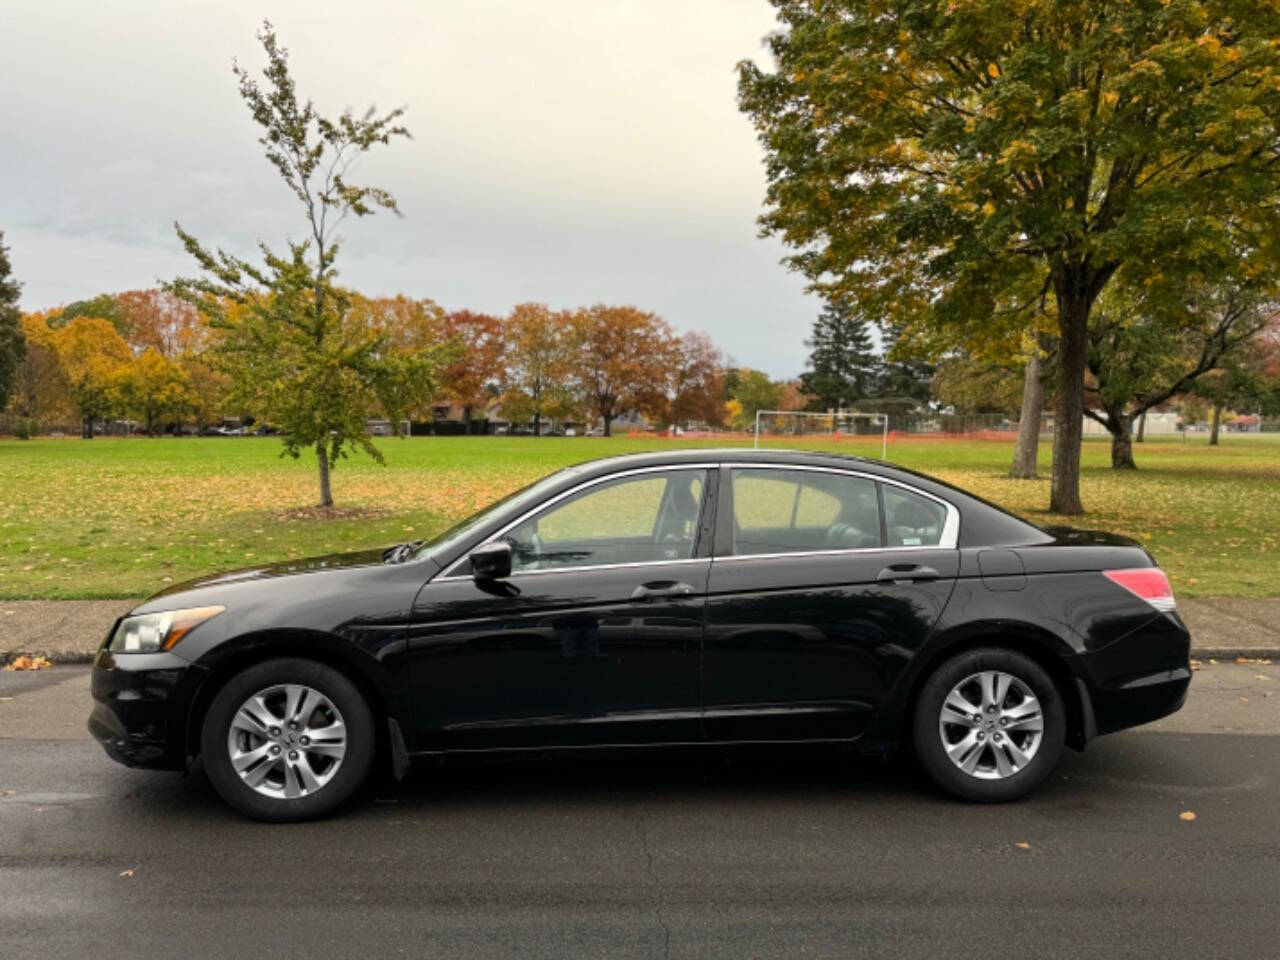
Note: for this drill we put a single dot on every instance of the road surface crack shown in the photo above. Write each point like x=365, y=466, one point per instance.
x=656, y=883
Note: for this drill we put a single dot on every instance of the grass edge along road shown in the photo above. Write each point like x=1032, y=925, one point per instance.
x=124, y=517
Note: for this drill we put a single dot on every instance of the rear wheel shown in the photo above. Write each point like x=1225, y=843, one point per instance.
x=989, y=725
x=287, y=739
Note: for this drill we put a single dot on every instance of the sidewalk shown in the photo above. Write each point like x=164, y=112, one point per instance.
x=69, y=631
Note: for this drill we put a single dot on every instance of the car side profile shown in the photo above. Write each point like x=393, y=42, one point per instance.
x=693, y=597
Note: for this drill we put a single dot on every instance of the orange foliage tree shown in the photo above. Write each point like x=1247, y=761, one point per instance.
x=536, y=355
x=697, y=382
x=479, y=366
x=622, y=359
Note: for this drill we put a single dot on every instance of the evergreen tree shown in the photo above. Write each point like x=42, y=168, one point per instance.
x=843, y=363
x=13, y=346
x=902, y=379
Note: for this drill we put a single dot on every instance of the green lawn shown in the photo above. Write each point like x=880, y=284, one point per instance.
x=122, y=518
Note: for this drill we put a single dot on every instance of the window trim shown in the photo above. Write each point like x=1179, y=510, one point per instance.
x=949, y=538
x=705, y=468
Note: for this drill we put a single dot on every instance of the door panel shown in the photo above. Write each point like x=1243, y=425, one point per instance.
x=805, y=647
x=560, y=658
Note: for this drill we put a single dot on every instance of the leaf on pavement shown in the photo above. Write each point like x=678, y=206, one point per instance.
x=28, y=663
x=1022, y=845
x=128, y=873
x=1186, y=815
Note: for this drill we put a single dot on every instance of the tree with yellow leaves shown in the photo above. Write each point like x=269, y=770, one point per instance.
x=951, y=162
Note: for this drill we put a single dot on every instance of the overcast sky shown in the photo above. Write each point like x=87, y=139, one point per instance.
x=566, y=151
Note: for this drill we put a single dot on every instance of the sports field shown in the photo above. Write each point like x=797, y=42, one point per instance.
x=122, y=518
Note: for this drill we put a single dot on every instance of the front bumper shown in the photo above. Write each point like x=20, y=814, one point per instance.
x=140, y=706
x=1141, y=677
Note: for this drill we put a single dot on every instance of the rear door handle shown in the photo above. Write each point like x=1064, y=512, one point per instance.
x=662, y=588
x=907, y=572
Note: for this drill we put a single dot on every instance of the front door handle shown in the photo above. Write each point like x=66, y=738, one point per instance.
x=906, y=573
x=661, y=588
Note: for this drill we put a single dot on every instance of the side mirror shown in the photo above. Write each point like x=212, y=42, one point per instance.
x=492, y=561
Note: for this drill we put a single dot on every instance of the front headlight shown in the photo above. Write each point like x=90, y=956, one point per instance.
x=152, y=632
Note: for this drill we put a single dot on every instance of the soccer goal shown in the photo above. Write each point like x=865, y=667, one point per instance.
x=795, y=423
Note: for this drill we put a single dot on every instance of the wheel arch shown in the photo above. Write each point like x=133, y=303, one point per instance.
x=233, y=656
x=1047, y=650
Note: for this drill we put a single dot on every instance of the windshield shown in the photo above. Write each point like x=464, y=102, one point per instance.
x=442, y=543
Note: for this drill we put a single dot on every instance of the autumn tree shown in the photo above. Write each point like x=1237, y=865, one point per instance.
x=40, y=390
x=1142, y=352
x=696, y=382
x=843, y=362
x=477, y=370
x=926, y=159
x=92, y=357
x=750, y=391
x=537, y=355
x=155, y=389
x=620, y=359
x=415, y=348
x=12, y=341
x=295, y=358
x=210, y=388
x=162, y=320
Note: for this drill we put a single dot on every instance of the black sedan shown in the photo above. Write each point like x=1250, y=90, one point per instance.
x=693, y=597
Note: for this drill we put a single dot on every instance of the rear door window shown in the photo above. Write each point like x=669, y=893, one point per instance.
x=912, y=520
x=792, y=511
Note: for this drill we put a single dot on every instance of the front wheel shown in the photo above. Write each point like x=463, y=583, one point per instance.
x=989, y=725
x=287, y=739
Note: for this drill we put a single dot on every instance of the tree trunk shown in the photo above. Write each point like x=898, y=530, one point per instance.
x=1121, y=427
x=1217, y=422
x=1142, y=428
x=322, y=459
x=608, y=424
x=466, y=412
x=1068, y=414
x=1027, y=449
x=537, y=423
x=87, y=432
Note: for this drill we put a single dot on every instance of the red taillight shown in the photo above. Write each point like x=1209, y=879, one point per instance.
x=1149, y=583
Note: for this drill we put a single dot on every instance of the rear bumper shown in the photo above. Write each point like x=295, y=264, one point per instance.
x=1141, y=677
x=140, y=707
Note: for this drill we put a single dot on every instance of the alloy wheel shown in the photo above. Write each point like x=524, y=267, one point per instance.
x=287, y=741
x=991, y=725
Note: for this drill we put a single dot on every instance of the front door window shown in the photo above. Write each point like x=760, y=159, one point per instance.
x=643, y=518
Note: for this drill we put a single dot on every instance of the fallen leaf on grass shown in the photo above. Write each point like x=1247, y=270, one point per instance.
x=28, y=663
x=1186, y=815
x=1022, y=845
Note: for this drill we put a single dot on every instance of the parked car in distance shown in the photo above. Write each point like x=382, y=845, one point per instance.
x=724, y=598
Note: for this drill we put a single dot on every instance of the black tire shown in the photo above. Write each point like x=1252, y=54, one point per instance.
x=929, y=747
x=348, y=778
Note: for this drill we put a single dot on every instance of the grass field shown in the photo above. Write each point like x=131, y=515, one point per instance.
x=122, y=518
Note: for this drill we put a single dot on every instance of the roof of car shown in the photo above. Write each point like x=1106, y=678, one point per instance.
x=735, y=454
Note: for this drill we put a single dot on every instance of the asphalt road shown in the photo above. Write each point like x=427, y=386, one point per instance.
x=702, y=856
